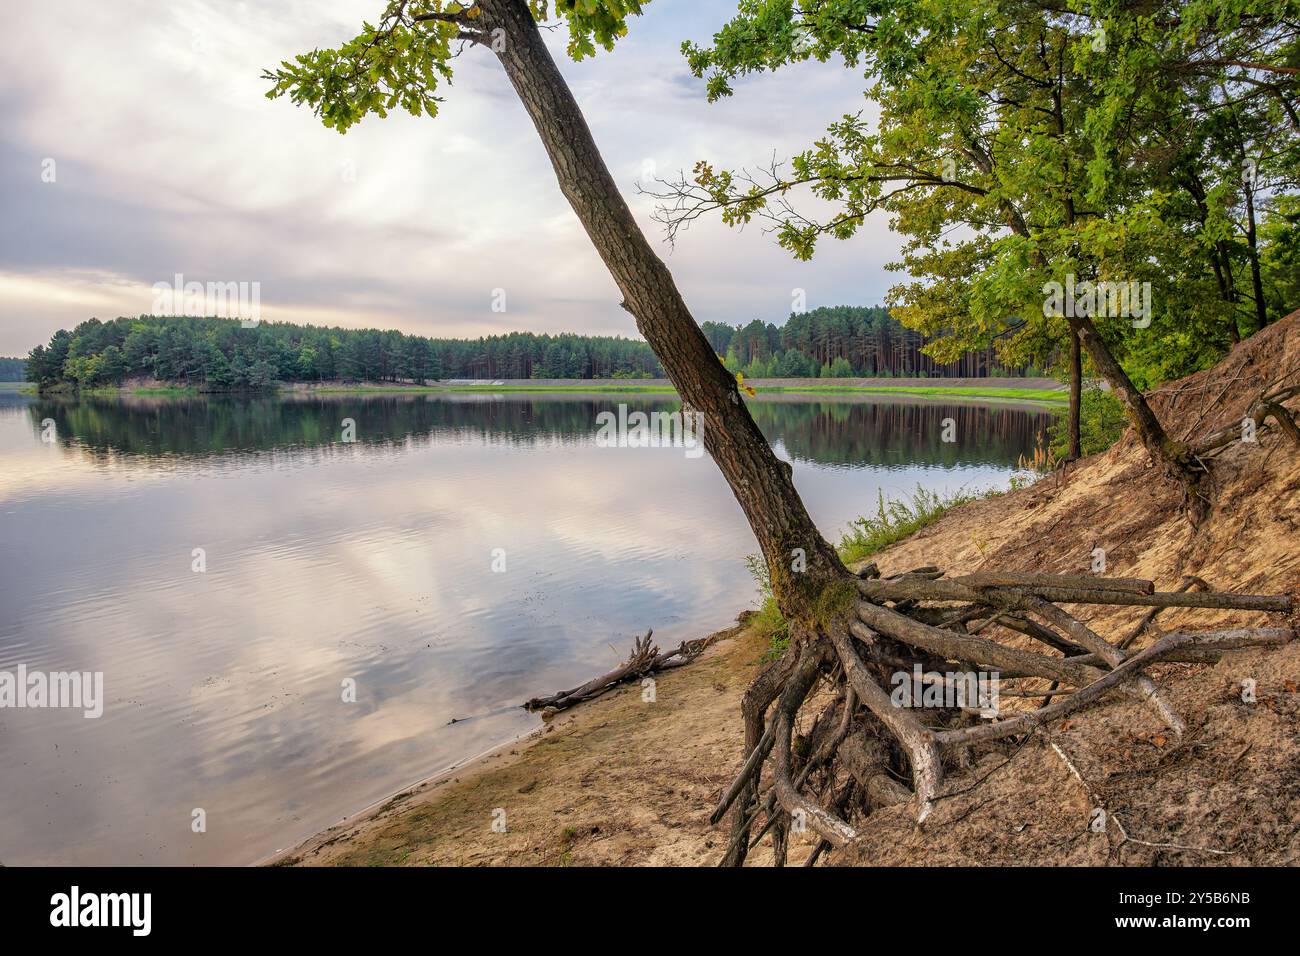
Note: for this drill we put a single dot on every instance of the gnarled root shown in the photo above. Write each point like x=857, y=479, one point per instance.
x=863, y=746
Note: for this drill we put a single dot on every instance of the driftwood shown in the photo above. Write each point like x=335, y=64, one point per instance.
x=645, y=659
x=899, y=754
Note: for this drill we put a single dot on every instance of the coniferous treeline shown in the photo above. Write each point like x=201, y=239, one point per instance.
x=221, y=355
x=837, y=342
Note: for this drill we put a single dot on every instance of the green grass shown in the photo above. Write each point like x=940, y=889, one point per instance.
x=1020, y=394
x=893, y=521
x=166, y=390
x=113, y=390
x=901, y=518
x=493, y=389
x=767, y=621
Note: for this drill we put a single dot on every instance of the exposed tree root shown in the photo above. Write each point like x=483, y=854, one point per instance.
x=1267, y=406
x=864, y=747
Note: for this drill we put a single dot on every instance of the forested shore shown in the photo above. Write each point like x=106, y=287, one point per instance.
x=217, y=354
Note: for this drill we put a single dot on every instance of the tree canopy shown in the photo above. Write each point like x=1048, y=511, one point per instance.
x=1021, y=143
x=12, y=369
x=221, y=355
x=399, y=62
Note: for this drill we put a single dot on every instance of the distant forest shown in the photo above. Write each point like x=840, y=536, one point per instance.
x=839, y=342
x=11, y=369
x=221, y=355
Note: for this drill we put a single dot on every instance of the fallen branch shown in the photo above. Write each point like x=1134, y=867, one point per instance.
x=1189, y=582
x=1016, y=579
x=645, y=659
x=916, y=589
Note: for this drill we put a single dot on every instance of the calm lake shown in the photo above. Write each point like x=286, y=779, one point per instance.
x=370, y=561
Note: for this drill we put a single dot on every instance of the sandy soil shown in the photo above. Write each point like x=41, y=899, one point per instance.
x=621, y=781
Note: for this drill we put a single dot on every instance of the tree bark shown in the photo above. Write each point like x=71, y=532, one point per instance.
x=800, y=560
x=1076, y=395
x=1256, y=277
x=1173, y=456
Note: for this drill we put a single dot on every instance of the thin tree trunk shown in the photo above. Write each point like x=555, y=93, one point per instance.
x=1256, y=278
x=1173, y=456
x=799, y=558
x=1169, y=455
x=1076, y=394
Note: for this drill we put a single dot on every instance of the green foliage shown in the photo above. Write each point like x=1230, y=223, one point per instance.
x=399, y=62
x=220, y=355
x=1280, y=237
x=1101, y=423
x=592, y=23
x=767, y=622
x=1018, y=143
x=896, y=519
x=13, y=370
x=837, y=341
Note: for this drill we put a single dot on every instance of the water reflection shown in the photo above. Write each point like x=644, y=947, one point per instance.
x=370, y=562
x=862, y=431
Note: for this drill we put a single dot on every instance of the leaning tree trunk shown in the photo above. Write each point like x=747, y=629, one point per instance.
x=1173, y=456
x=844, y=631
x=800, y=560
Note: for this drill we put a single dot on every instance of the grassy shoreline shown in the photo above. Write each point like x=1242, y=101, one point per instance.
x=1052, y=396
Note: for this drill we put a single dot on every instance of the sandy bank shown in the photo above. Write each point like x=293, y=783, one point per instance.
x=617, y=781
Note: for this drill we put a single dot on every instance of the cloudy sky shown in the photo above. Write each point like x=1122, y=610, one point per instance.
x=168, y=158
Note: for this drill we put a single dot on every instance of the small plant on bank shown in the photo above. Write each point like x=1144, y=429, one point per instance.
x=1101, y=423
x=893, y=521
x=767, y=621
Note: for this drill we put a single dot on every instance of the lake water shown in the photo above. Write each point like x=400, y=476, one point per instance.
x=368, y=561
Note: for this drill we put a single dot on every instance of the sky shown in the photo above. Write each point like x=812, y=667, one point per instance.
x=166, y=158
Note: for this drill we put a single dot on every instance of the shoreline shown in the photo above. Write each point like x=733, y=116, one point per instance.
x=449, y=815
x=470, y=765
x=1041, y=391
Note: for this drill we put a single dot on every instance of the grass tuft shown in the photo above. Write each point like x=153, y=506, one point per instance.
x=893, y=521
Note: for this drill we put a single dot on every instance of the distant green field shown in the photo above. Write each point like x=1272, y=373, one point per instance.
x=492, y=389
x=1024, y=394
x=1021, y=394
